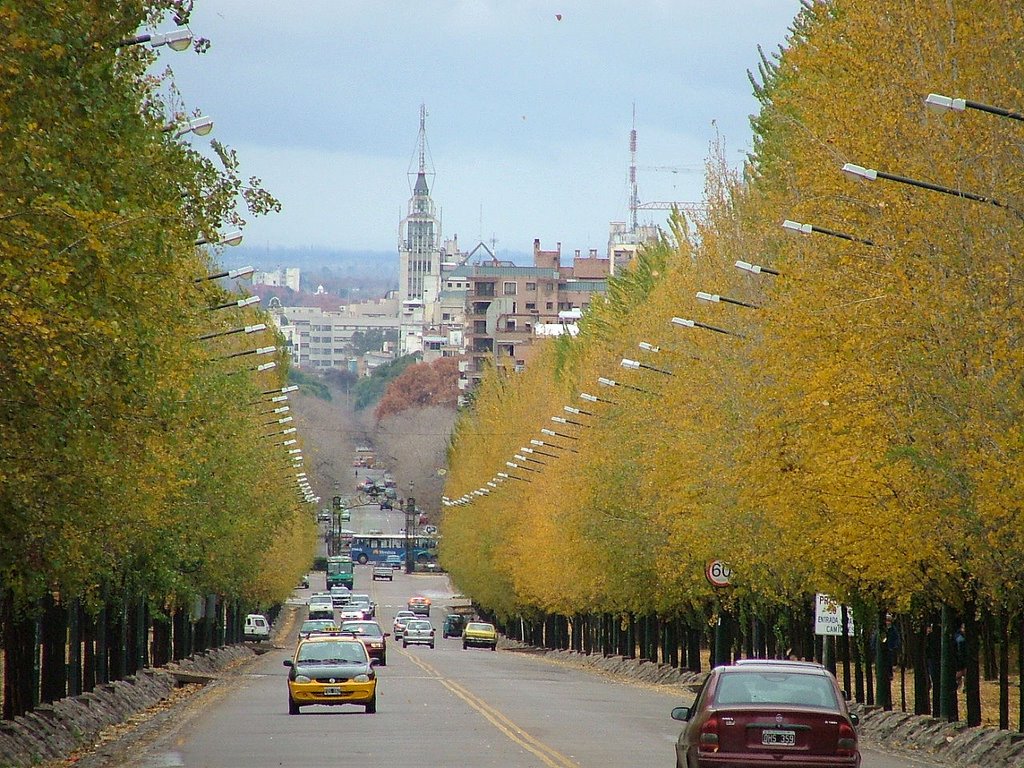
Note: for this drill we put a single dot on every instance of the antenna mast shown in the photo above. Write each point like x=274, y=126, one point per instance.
x=634, y=197
x=422, y=140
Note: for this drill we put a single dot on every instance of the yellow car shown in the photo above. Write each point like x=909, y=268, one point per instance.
x=480, y=634
x=331, y=669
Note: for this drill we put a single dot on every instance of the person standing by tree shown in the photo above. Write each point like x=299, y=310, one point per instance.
x=886, y=644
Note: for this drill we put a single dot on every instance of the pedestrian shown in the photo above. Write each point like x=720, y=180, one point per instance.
x=960, y=654
x=933, y=661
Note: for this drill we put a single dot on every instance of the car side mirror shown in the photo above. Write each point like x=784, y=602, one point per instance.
x=374, y=662
x=287, y=662
x=846, y=695
x=387, y=634
x=854, y=718
x=681, y=713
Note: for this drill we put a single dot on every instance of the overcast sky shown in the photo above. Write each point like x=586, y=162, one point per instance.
x=529, y=106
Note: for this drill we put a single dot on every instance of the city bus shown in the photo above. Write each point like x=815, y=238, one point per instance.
x=375, y=547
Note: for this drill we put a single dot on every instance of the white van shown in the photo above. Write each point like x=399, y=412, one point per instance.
x=256, y=627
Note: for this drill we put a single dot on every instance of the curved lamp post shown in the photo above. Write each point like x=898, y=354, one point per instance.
x=936, y=102
x=860, y=173
x=245, y=329
x=797, y=228
x=200, y=126
x=695, y=324
x=247, y=301
x=595, y=399
x=715, y=298
x=176, y=39
x=551, y=433
x=606, y=382
x=756, y=269
x=231, y=274
x=234, y=237
x=634, y=365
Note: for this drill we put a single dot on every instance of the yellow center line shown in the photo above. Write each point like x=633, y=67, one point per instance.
x=546, y=754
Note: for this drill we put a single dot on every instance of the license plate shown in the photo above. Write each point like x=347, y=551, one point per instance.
x=779, y=738
x=332, y=691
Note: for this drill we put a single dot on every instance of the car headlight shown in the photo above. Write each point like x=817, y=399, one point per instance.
x=364, y=678
x=303, y=679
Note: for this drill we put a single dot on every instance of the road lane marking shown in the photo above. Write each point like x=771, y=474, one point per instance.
x=546, y=754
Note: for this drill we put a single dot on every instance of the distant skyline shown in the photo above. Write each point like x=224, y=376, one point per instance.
x=529, y=110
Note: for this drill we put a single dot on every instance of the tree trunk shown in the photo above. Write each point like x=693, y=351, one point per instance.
x=54, y=636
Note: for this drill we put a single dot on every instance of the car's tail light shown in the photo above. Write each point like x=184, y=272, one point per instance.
x=846, y=746
x=709, y=736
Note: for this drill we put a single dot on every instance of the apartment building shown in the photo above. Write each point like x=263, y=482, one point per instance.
x=509, y=308
x=319, y=339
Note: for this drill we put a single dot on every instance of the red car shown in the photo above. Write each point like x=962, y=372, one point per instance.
x=759, y=713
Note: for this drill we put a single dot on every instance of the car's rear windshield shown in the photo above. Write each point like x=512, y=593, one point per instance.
x=479, y=627
x=334, y=651
x=798, y=689
x=372, y=630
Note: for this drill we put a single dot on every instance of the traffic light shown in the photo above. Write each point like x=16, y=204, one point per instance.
x=336, y=501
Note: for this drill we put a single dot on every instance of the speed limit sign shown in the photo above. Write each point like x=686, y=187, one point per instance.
x=718, y=573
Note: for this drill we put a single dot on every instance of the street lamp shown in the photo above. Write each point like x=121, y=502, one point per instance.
x=234, y=237
x=797, y=228
x=576, y=411
x=563, y=420
x=521, y=457
x=247, y=301
x=176, y=39
x=200, y=126
x=860, y=173
x=595, y=399
x=284, y=420
x=245, y=329
x=524, y=449
x=695, y=324
x=231, y=274
x=648, y=347
x=282, y=390
x=605, y=382
x=506, y=476
x=552, y=433
x=257, y=351
x=257, y=368
x=936, y=102
x=715, y=298
x=635, y=365
x=513, y=465
x=756, y=269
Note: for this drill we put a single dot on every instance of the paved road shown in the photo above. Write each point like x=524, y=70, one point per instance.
x=437, y=707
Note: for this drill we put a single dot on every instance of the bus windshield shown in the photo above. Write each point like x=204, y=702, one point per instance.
x=375, y=548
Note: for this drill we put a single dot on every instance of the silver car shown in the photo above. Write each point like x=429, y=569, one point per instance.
x=418, y=632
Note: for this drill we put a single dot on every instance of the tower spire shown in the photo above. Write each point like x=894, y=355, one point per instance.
x=422, y=139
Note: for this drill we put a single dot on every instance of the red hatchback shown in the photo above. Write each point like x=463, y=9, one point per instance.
x=785, y=714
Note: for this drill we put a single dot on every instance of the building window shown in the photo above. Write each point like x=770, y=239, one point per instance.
x=550, y=307
x=509, y=288
x=531, y=306
x=510, y=325
x=531, y=286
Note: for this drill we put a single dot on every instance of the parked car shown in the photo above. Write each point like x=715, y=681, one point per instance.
x=479, y=634
x=332, y=670
x=324, y=516
x=303, y=583
x=256, y=627
x=371, y=635
x=761, y=712
x=383, y=571
x=419, y=605
x=401, y=618
x=418, y=631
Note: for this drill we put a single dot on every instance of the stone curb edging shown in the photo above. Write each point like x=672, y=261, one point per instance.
x=921, y=736
x=54, y=731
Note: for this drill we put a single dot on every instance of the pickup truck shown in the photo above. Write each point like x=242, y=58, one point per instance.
x=383, y=571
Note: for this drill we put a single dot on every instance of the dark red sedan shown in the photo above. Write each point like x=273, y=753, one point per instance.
x=757, y=713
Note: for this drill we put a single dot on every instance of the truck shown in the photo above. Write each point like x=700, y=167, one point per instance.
x=339, y=571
